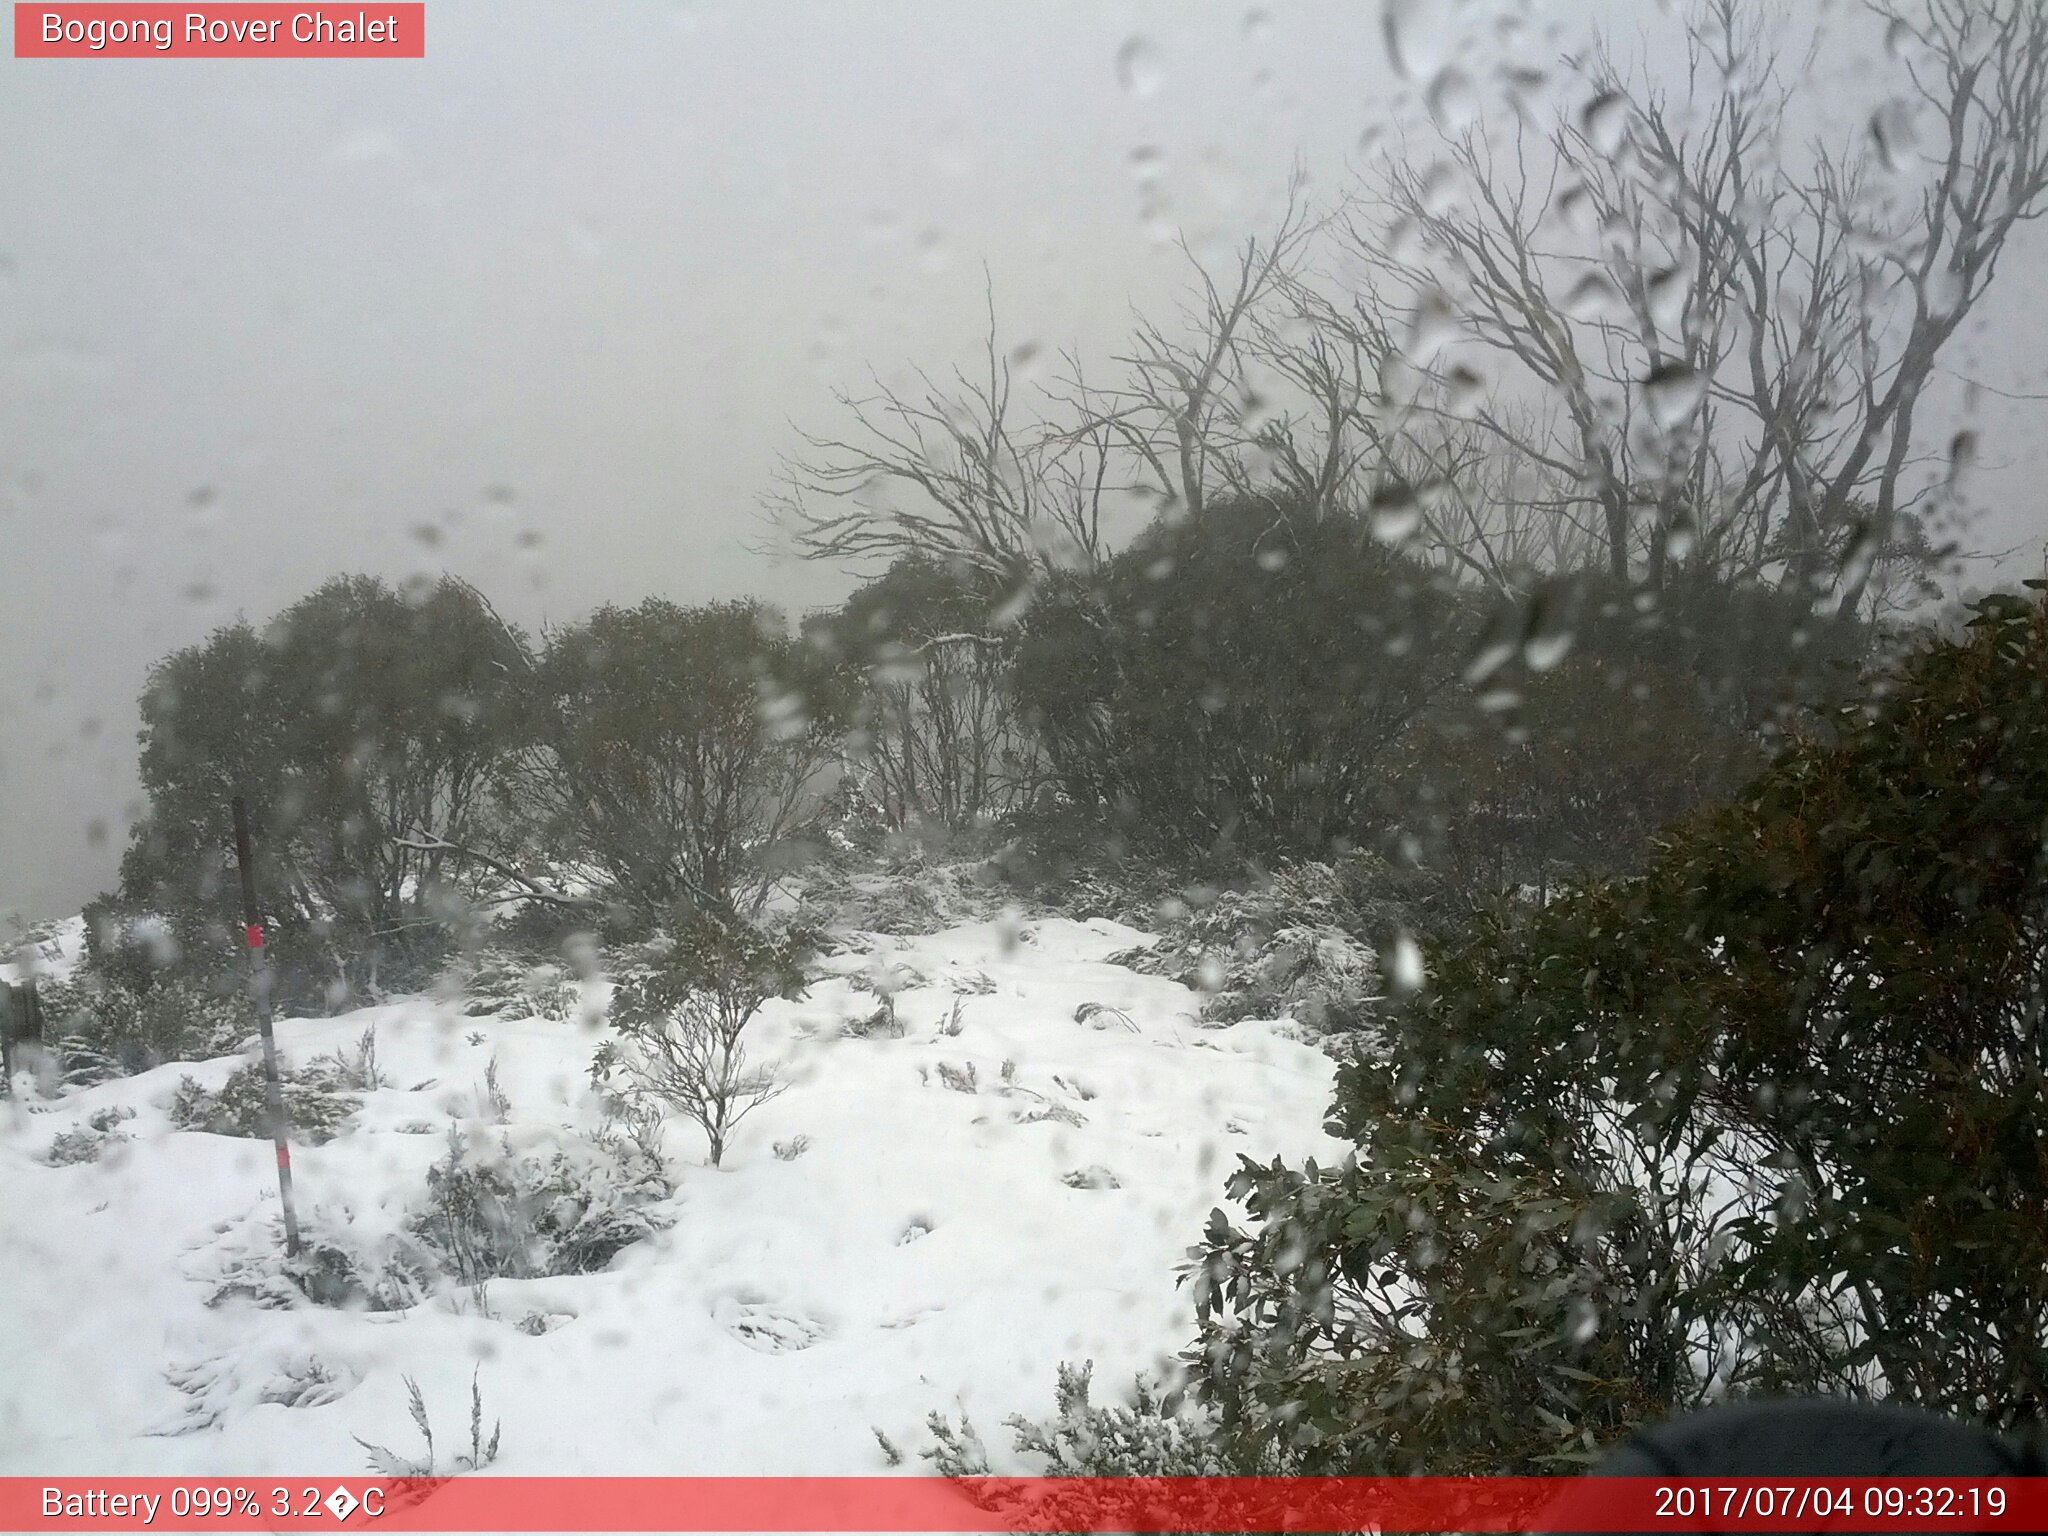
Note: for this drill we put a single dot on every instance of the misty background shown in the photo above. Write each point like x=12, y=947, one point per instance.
x=543, y=308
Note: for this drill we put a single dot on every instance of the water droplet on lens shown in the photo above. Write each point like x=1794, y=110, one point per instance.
x=1404, y=965
x=1893, y=133
x=1395, y=513
x=1453, y=104
x=1604, y=121
x=1413, y=33
x=1137, y=68
x=1673, y=392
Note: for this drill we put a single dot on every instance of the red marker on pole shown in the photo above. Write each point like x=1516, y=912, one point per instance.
x=259, y=989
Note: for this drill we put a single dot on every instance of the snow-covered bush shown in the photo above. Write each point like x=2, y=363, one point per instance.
x=106, y=1029
x=1150, y=1437
x=679, y=1024
x=1289, y=949
x=356, y=1067
x=85, y=1143
x=314, y=1104
x=340, y=1263
x=495, y=983
x=911, y=894
x=496, y=1213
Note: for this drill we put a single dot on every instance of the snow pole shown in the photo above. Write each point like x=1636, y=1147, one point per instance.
x=259, y=991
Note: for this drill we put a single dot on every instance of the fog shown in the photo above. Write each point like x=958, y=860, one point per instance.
x=543, y=308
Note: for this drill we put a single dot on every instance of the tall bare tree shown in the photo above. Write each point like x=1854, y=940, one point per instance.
x=1706, y=351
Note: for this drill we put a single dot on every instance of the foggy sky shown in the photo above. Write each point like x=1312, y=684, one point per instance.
x=541, y=308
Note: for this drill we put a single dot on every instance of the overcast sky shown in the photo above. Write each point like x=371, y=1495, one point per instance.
x=541, y=308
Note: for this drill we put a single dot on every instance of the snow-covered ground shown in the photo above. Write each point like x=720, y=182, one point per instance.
x=938, y=1244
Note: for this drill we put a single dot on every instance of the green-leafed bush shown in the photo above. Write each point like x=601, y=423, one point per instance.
x=1769, y=1117
x=107, y=1028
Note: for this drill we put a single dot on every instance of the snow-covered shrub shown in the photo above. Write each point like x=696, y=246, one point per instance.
x=106, y=1029
x=356, y=1068
x=340, y=1263
x=879, y=1024
x=1150, y=1437
x=909, y=895
x=220, y=1387
x=679, y=1024
x=1289, y=949
x=496, y=983
x=85, y=1143
x=315, y=1106
x=492, y=1214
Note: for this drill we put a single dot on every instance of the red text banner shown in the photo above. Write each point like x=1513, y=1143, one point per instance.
x=232, y=31
x=925, y=1504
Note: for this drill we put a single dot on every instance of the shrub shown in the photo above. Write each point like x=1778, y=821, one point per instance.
x=85, y=1143
x=106, y=1028
x=936, y=738
x=679, y=1025
x=338, y=1265
x=568, y=1211
x=1289, y=949
x=1768, y=1118
x=1153, y=1436
x=497, y=983
x=1595, y=715
x=315, y=1107
x=675, y=751
x=361, y=718
x=1236, y=681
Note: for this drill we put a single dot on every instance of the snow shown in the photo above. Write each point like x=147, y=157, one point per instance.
x=932, y=1248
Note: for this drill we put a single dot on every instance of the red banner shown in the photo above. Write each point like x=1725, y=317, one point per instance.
x=239, y=31
x=925, y=1504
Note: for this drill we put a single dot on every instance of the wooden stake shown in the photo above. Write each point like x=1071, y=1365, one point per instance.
x=259, y=989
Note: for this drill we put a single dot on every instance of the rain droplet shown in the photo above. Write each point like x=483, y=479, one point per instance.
x=1395, y=513
x=1898, y=38
x=1404, y=965
x=1673, y=392
x=1413, y=33
x=1962, y=453
x=1667, y=291
x=1550, y=635
x=1434, y=323
x=1453, y=104
x=1592, y=298
x=1464, y=390
x=1137, y=67
x=1892, y=131
x=1604, y=121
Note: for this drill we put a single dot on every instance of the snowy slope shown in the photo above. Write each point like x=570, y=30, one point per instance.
x=926, y=1250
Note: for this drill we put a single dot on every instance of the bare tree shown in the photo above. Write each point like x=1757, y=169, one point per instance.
x=1704, y=352
x=958, y=470
x=1186, y=411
